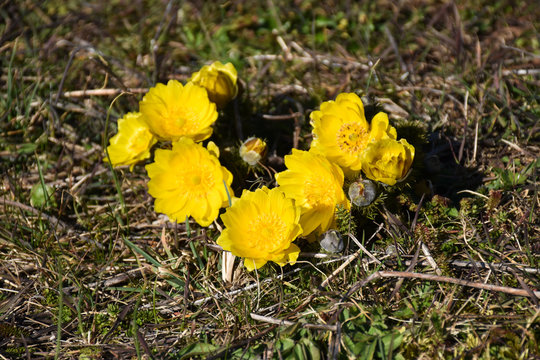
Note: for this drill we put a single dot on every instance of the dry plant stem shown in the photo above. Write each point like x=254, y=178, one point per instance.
x=227, y=267
x=411, y=266
x=412, y=275
x=103, y=92
x=483, y=265
x=282, y=117
x=219, y=295
x=340, y=269
x=14, y=301
x=434, y=91
x=395, y=48
x=362, y=248
x=330, y=62
x=279, y=322
x=51, y=219
x=354, y=256
x=118, y=279
x=351, y=259
x=429, y=258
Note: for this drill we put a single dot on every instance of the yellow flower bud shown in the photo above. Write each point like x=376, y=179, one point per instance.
x=219, y=80
x=252, y=150
x=387, y=160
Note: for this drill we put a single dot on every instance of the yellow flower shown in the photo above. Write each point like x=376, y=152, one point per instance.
x=132, y=143
x=173, y=111
x=341, y=132
x=188, y=181
x=388, y=160
x=219, y=80
x=252, y=150
x=260, y=227
x=316, y=185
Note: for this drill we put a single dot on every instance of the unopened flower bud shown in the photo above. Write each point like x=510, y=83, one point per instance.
x=362, y=192
x=332, y=241
x=219, y=80
x=252, y=150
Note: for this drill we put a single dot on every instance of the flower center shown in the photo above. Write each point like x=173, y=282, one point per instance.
x=352, y=138
x=197, y=181
x=267, y=232
x=181, y=120
x=139, y=141
x=319, y=192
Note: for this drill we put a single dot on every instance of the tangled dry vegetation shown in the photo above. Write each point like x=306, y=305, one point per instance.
x=446, y=267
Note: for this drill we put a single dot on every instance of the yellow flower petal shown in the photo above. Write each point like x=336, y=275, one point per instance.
x=213, y=149
x=380, y=128
x=132, y=143
x=316, y=185
x=388, y=160
x=252, y=264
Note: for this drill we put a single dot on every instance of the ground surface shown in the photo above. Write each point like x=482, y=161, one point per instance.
x=93, y=272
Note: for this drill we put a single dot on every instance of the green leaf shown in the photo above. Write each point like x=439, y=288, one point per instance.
x=453, y=212
x=313, y=350
x=197, y=349
x=27, y=148
x=142, y=252
x=284, y=345
x=42, y=195
x=370, y=351
x=300, y=352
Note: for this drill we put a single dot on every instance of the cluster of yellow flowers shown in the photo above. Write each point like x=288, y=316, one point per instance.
x=187, y=179
x=342, y=134
x=262, y=225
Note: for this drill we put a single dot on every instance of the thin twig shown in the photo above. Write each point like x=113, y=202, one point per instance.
x=51, y=219
x=362, y=248
x=103, y=92
x=521, y=72
x=395, y=48
x=282, y=117
x=279, y=322
x=334, y=62
x=499, y=267
x=340, y=268
x=446, y=279
x=354, y=256
x=115, y=280
x=429, y=258
x=434, y=91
